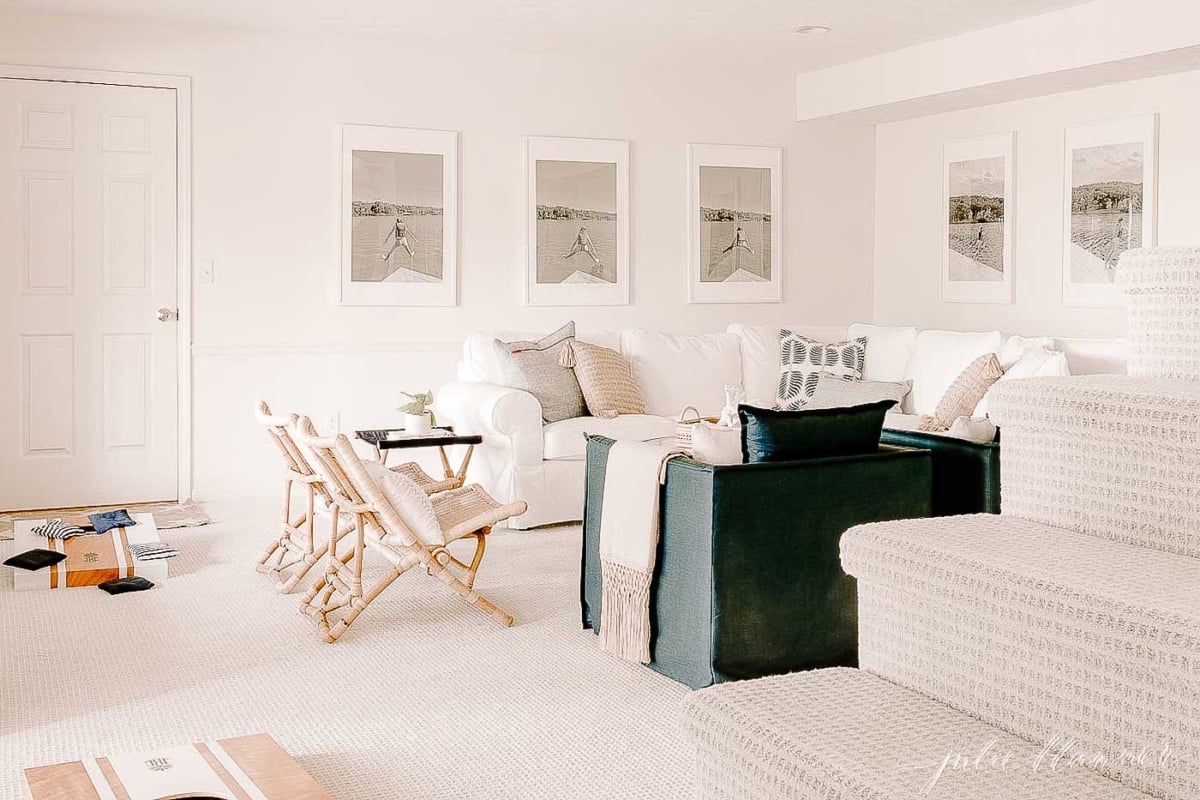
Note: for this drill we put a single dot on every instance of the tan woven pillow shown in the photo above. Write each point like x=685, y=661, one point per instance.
x=964, y=394
x=606, y=380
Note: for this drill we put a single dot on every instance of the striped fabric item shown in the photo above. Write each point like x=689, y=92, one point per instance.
x=57, y=529
x=151, y=551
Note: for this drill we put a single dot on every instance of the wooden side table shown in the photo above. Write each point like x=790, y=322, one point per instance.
x=385, y=440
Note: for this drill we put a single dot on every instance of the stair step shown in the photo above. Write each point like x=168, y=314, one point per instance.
x=842, y=734
x=1042, y=632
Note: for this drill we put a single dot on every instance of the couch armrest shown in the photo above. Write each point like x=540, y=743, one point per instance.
x=503, y=416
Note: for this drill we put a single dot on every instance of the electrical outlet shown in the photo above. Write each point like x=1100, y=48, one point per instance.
x=207, y=274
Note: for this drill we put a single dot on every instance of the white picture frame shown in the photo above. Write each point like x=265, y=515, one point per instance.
x=399, y=217
x=737, y=187
x=1098, y=225
x=977, y=232
x=576, y=222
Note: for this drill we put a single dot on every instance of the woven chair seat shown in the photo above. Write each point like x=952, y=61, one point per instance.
x=464, y=511
x=430, y=484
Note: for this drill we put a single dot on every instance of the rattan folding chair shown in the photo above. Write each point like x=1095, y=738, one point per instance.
x=295, y=551
x=338, y=598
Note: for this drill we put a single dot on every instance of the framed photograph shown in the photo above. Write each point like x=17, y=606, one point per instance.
x=977, y=216
x=735, y=251
x=399, y=217
x=1108, y=204
x=576, y=222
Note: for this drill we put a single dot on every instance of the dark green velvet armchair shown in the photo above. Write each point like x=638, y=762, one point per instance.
x=748, y=580
x=966, y=475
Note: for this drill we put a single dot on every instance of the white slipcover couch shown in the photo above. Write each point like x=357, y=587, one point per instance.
x=522, y=458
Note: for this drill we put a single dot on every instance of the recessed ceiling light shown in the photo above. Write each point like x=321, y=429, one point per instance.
x=812, y=30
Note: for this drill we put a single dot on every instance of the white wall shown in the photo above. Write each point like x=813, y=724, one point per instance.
x=266, y=112
x=908, y=200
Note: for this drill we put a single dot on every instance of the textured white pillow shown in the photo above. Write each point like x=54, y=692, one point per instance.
x=1017, y=346
x=410, y=501
x=888, y=350
x=938, y=358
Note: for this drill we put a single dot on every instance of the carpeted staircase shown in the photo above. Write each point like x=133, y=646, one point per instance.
x=1051, y=652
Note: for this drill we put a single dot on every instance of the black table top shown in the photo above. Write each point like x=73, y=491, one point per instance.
x=441, y=436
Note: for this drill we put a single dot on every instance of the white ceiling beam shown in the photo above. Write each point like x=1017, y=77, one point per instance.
x=1104, y=41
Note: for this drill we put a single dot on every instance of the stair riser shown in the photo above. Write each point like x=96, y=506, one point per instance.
x=1040, y=668
x=1124, y=488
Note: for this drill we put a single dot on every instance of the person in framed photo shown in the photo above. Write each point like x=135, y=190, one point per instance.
x=583, y=244
x=400, y=232
x=739, y=240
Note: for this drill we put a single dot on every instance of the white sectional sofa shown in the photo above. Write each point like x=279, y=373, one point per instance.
x=522, y=458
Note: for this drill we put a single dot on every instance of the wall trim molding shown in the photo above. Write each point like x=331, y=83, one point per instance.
x=446, y=347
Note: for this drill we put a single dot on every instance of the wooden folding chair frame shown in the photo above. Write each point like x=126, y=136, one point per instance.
x=291, y=555
x=339, y=597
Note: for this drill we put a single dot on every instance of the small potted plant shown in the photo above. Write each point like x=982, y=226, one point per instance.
x=418, y=417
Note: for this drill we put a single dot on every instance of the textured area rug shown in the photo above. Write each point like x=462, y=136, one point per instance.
x=423, y=697
x=187, y=514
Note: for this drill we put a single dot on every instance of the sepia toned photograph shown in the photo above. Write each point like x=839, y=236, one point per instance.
x=399, y=217
x=1106, y=208
x=396, y=233
x=735, y=194
x=735, y=228
x=977, y=215
x=576, y=222
x=976, y=220
x=1108, y=204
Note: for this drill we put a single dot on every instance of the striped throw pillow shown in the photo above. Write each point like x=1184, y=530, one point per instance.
x=57, y=529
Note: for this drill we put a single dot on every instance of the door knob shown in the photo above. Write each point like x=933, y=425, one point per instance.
x=168, y=315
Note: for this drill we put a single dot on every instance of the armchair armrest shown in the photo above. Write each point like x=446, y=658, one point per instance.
x=503, y=416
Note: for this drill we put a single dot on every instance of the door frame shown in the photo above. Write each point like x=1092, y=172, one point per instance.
x=182, y=86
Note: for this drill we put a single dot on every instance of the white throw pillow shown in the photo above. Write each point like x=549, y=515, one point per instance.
x=1017, y=346
x=1036, y=363
x=410, y=501
x=888, y=350
x=938, y=358
x=803, y=361
x=674, y=372
x=836, y=393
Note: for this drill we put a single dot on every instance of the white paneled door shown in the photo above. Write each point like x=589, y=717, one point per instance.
x=88, y=405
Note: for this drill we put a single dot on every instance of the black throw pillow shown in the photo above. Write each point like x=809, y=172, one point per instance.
x=771, y=435
x=122, y=585
x=34, y=559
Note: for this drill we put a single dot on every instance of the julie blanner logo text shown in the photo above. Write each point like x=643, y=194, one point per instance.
x=1060, y=753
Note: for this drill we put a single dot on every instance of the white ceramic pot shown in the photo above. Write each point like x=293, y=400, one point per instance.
x=417, y=423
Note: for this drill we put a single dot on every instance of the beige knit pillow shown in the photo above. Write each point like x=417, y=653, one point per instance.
x=964, y=394
x=606, y=380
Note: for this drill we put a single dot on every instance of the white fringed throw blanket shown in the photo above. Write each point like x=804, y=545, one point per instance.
x=628, y=540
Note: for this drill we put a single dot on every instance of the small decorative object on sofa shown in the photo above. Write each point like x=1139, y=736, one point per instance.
x=687, y=420
x=773, y=435
x=802, y=361
x=418, y=417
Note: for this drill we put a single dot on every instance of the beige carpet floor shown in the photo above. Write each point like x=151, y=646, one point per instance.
x=424, y=697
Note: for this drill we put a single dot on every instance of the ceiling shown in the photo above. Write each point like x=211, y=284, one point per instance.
x=759, y=30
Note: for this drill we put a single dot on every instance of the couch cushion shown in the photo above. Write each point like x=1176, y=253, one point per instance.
x=888, y=350
x=537, y=367
x=938, y=358
x=565, y=440
x=678, y=371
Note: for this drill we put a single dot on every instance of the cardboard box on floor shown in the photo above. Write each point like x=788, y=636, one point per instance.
x=91, y=560
x=249, y=767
